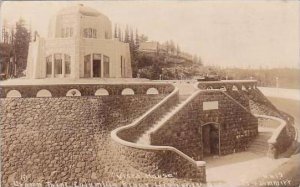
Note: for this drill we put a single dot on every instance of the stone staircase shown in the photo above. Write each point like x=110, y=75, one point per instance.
x=260, y=144
x=145, y=137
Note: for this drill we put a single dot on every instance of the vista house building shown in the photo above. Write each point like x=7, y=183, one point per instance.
x=79, y=45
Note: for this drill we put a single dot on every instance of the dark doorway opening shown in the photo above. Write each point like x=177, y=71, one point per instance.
x=96, y=68
x=210, y=139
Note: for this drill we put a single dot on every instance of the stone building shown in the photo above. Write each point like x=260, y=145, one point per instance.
x=79, y=45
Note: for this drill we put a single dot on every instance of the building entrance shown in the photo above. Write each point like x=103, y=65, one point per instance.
x=97, y=65
x=210, y=139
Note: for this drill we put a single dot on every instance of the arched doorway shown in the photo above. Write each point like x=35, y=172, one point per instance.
x=211, y=139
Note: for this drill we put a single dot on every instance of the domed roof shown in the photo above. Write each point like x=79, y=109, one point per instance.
x=87, y=11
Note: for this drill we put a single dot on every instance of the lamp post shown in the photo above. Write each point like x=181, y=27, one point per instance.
x=277, y=82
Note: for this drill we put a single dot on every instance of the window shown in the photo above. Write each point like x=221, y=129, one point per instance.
x=94, y=31
x=106, y=35
x=62, y=32
x=123, y=74
x=67, y=64
x=71, y=32
x=89, y=33
x=49, y=65
x=106, y=66
x=57, y=64
x=66, y=32
x=87, y=65
x=121, y=66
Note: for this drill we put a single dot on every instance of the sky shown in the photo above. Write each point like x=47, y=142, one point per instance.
x=233, y=33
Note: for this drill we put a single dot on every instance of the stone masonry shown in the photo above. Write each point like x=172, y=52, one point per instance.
x=64, y=139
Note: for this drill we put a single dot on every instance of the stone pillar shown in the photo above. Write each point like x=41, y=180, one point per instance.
x=202, y=170
x=52, y=60
x=272, y=152
x=63, y=65
x=102, y=66
x=91, y=64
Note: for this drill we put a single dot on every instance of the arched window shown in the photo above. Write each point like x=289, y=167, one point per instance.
x=49, y=65
x=223, y=88
x=234, y=88
x=89, y=33
x=44, y=93
x=67, y=64
x=57, y=64
x=87, y=66
x=106, y=66
x=13, y=93
x=101, y=91
x=127, y=91
x=152, y=91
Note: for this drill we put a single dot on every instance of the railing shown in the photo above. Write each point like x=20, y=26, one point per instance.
x=228, y=84
x=280, y=139
x=127, y=136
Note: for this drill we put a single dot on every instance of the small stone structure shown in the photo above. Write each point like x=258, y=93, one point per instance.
x=197, y=130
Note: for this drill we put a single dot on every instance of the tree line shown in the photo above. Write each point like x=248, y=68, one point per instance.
x=14, y=49
x=155, y=67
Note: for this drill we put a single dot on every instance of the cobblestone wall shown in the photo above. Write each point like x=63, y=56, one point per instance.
x=166, y=163
x=184, y=130
x=64, y=139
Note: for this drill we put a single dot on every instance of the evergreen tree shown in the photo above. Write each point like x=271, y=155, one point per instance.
x=115, y=31
x=177, y=50
x=21, y=45
x=131, y=41
x=119, y=34
x=126, y=37
x=172, y=47
x=200, y=61
x=137, y=39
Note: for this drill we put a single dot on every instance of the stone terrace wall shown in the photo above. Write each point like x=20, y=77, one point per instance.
x=184, y=130
x=85, y=89
x=166, y=163
x=64, y=139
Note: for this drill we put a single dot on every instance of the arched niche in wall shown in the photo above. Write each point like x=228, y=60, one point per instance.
x=223, y=88
x=127, y=91
x=73, y=92
x=43, y=93
x=152, y=91
x=101, y=91
x=234, y=88
x=13, y=93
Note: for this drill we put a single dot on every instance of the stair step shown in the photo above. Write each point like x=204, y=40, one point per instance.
x=145, y=137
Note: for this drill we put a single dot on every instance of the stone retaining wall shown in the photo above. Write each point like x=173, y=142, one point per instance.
x=64, y=139
x=164, y=163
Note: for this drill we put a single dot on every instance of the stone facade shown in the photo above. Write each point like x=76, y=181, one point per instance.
x=248, y=95
x=79, y=44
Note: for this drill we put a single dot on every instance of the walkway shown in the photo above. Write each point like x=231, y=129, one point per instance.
x=240, y=167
